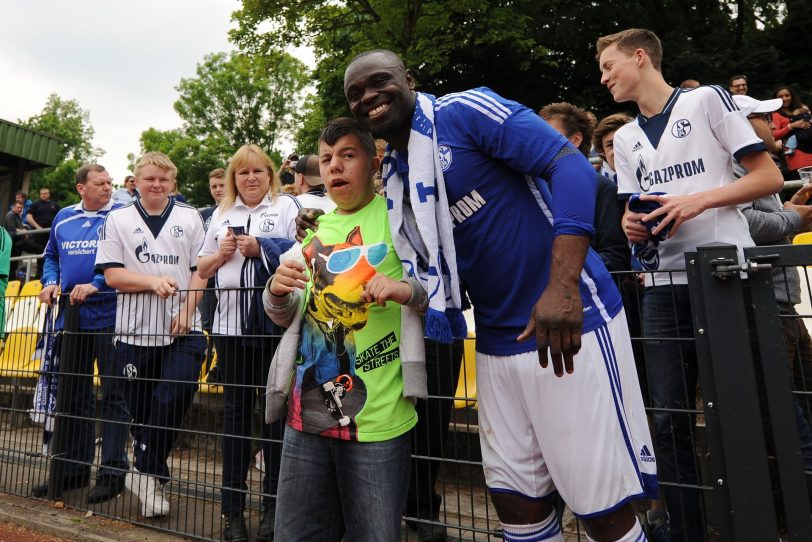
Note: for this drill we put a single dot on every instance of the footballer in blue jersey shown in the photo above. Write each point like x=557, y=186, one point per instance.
x=521, y=200
x=69, y=260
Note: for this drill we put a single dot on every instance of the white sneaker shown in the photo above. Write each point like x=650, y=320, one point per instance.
x=149, y=493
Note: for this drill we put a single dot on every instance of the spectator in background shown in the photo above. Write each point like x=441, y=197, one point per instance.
x=217, y=189
x=68, y=266
x=148, y=252
x=286, y=171
x=239, y=251
x=738, y=85
x=128, y=194
x=578, y=125
x=22, y=197
x=20, y=238
x=792, y=126
x=603, y=140
x=176, y=195
x=41, y=215
x=309, y=186
x=208, y=304
x=690, y=83
x=773, y=224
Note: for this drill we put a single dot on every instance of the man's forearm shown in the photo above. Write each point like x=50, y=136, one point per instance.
x=568, y=255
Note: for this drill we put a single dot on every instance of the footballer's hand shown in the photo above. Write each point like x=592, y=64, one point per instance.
x=288, y=277
x=307, y=220
x=556, y=321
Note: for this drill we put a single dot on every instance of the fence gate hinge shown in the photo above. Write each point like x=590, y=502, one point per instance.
x=724, y=268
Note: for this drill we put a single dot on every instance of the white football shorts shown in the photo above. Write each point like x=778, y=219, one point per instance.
x=584, y=435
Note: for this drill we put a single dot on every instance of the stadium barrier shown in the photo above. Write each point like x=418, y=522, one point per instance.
x=750, y=475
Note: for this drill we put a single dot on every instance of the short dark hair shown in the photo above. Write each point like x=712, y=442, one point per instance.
x=609, y=124
x=83, y=172
x=342, y=126
x=217, y=173
x=25, y=196
x=632, y=39
x=575, y=120
x=734, y=77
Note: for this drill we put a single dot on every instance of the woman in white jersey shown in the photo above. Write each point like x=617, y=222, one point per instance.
x=252, y=224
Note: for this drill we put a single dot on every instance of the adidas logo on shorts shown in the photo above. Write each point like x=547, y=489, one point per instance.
x=645, y=455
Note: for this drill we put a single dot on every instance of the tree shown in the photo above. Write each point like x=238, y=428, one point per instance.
x=194, y=157
x=243, y=99
x=67, y=121
x=533, y=51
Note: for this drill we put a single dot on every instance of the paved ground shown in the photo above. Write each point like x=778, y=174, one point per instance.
x=194, y=494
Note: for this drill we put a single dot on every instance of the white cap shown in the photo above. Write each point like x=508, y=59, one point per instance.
x=750, y=105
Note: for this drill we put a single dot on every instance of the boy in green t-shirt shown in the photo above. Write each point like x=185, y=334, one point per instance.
x=345, y=463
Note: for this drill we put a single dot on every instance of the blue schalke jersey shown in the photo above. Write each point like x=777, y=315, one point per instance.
x=496, y=155
x=70, y=257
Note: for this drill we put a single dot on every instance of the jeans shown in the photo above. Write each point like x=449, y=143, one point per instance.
x=95, y=344
x=243, y=366
x=671, y=370
x=330, y=488
x=429, y=435
x=160, y=387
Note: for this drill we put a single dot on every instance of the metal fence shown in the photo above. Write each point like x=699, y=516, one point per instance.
x=745, y=478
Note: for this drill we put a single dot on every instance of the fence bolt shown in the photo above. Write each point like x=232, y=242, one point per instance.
x=710, y=404
x=693, y=262
x=701, y=331
x=720, y=482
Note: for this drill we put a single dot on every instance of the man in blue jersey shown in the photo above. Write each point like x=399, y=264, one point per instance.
x=69, y=259
x=520, y=201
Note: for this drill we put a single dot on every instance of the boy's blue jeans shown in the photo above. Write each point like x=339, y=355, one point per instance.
x=331, y=489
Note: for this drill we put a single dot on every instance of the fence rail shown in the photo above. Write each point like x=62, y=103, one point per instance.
x=748, y=481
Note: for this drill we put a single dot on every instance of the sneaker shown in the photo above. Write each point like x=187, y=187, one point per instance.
x=234, y=528
x=149, y=493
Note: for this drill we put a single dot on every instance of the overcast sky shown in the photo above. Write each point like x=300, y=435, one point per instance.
x=119, y=60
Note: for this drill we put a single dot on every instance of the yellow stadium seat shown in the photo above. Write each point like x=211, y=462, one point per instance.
x=466, y=387
x=803, y=238
x=208, y=364
x=13, y=288
x=23, y=325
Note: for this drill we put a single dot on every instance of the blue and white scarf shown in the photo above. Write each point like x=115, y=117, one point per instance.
x=422, y=230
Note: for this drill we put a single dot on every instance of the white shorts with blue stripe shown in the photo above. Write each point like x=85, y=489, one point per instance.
x=584, y=435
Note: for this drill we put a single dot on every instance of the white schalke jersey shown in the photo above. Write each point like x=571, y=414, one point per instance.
x=687, y=148
x=270, y=218
x=163, y=246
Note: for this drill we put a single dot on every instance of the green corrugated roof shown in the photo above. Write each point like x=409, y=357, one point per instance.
x=29, y=144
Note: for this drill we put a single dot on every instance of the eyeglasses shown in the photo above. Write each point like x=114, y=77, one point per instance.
x=346, y=258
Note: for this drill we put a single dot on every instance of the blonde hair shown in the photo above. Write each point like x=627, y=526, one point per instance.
x=157, y=159
x=628, y=41
x=243, y=155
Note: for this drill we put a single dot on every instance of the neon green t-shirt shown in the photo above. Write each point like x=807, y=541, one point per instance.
x=348, y=383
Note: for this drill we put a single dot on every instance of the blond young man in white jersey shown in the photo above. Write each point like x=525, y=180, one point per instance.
x=148, y=252
x=682, y=143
